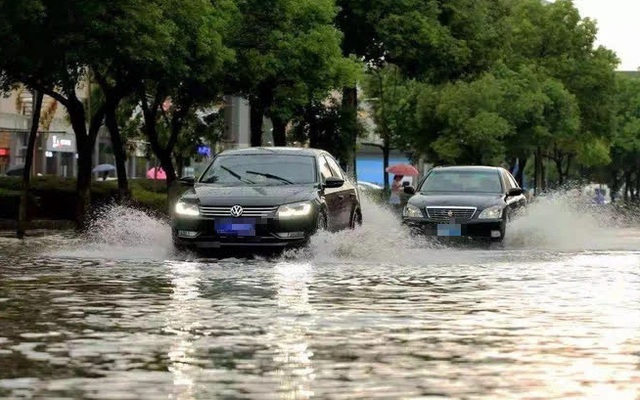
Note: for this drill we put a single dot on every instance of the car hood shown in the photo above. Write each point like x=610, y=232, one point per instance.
x=210, y=195
x=479, y=200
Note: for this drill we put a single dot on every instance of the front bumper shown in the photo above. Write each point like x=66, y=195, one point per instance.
x=470, y=228
x=201, y=233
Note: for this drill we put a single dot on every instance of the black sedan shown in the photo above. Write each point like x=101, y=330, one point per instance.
x=475, y=201
x=265, y=197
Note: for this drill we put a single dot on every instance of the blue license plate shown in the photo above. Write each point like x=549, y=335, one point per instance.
x=236, y=227
x=449, y=230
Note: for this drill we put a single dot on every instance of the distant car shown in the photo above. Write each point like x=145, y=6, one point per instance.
x=366, y=186
x=473, y=201
x=265, y=197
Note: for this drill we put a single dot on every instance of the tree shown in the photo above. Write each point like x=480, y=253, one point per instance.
x=190, y=75
x=391, y=97
x=35, y=35
x=26, y=172
x=52, y=45
x=625, y=150
x=560, y=44
x=288, y=54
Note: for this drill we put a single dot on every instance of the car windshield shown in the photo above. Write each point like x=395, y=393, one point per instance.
x=267, y=169
x=463, y=181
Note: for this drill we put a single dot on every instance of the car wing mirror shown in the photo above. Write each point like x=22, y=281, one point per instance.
x=333, y=182
x=515, y=192
x=409, y=190
x=188, y=180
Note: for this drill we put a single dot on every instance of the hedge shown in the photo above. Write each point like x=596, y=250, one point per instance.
x=54, y=198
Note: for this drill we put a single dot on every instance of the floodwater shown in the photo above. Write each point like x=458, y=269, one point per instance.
x=554, y=313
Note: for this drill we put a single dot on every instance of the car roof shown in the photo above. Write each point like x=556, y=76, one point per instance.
x=275, y=150
x=469, y=168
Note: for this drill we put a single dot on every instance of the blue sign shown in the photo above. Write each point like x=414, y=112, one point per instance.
x=204, y=151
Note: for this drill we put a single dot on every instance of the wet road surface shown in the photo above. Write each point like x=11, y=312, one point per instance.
x=357, y=317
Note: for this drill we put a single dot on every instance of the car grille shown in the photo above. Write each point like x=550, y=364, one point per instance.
x=457, y=213
x=225, y=211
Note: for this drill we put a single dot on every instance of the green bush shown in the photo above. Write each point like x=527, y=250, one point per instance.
x=55, y=198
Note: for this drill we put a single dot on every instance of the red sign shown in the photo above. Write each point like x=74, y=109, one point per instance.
x=4, y=152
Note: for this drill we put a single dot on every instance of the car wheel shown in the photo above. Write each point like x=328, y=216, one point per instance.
x=321, y=224
x=356, y=218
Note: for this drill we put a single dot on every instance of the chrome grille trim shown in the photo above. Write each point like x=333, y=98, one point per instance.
x=459, y=213
x=225, y=211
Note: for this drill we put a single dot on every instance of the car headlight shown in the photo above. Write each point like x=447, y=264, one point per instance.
x=494, y=212
x=187, y=209
x=295, y=210
x=411, y=211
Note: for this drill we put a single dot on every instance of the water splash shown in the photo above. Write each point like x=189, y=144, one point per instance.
x=122, y=233
x=557, y=222
x=566, y=221
x=381, y=238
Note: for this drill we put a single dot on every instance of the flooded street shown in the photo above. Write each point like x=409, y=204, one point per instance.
x=551, y=314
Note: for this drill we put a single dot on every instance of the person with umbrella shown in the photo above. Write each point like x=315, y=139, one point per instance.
x=399, y=171
x=396, y=187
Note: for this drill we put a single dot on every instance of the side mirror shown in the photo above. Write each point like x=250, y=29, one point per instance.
x=515, y=192
x=409, y=190
x=188, y=180
x=333, y=182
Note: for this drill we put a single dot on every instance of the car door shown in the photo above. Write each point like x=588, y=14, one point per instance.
x=331, y=198
x=515, y=203
x=346, y=194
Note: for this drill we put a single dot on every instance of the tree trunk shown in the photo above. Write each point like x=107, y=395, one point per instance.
x=119, y=152
x=627, y=185
x=615, y=182
x=543, y=168
x=386, y=149
x=279, y=131
x=26, y=172
x=349, y=129
x=558, y=162
x=256, y=116
x=85, y=146
x=537, y=185
x=179, y=165
x=520, y=175
x=567, y=167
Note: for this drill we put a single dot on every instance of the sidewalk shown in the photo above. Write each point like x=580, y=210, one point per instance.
x=12, y=225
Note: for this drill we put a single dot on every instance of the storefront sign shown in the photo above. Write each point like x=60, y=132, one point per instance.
x=63, y=143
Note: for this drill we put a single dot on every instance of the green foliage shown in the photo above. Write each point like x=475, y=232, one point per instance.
x=288, y=54
x=393, y=104
x=54, y=198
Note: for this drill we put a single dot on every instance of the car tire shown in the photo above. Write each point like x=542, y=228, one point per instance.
x=356, y=218
x=321, y=224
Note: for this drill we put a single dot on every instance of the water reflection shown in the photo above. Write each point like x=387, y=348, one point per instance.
x=182, y=320
x=294, y=321
x=463, y=324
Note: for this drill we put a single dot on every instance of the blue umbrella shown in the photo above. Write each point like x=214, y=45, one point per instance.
x=104, y=168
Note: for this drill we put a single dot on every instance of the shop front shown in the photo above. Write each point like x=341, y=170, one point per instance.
x=60, y=155
x=5, y=151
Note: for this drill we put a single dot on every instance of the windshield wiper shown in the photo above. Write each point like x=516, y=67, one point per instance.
x=237, y=176
x=271, y=176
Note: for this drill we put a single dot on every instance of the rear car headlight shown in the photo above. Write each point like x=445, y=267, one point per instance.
x=295, y=210
x=187, y=209
x=411, y=211
x=494, y=212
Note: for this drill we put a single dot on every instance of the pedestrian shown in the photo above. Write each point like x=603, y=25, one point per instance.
x=396, y=187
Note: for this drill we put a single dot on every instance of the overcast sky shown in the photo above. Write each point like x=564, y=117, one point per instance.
x=618, y=27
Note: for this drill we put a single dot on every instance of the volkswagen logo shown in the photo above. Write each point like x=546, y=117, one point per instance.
x=450, y=213
x=236, y=211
